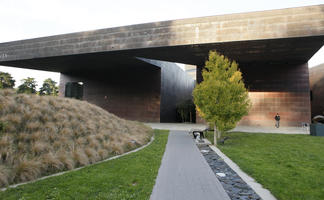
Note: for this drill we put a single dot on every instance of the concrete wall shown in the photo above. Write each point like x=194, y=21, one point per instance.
x=277, y=88
x=132, y=93
x=272, y=24
x=176, y=87
x=316, y=78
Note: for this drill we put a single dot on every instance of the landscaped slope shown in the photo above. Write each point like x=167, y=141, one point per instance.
x=43, y=135
x=130, y=177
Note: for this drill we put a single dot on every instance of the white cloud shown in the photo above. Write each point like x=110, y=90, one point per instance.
x=317, y=59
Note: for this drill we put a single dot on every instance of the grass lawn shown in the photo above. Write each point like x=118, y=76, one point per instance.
x=129, y=177
x=290, y=166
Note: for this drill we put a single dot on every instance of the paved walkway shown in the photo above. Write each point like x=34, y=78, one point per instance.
x=250, y=129
x=184, y=173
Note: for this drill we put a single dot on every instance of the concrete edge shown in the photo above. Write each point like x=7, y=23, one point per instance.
x=281, y=130
x=245, y=129
x=265, y=194
x=76, y=169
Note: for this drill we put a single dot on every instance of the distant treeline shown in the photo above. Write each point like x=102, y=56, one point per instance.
x=28, y=85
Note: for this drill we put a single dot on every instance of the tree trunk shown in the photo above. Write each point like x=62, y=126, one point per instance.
x=219, y=134
x=215, y=135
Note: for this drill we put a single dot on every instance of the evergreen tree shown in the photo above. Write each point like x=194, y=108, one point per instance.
x=6, y=80
x=221, y=98
x=28, y=86
x=49, y=88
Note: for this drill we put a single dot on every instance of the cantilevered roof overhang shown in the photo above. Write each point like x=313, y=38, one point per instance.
x=285, y=35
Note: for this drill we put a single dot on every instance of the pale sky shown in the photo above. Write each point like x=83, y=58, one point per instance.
x=23, y=19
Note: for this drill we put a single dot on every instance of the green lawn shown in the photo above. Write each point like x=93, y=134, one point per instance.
x=290, y=166
x=129, y=177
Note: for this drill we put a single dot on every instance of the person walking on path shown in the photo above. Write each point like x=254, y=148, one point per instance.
x=277, y=118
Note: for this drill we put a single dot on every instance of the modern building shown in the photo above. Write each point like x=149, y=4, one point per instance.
x=130, y=70
x=316, y=79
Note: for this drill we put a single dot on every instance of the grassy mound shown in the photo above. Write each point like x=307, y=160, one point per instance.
x=131, y=177
x=41, y=135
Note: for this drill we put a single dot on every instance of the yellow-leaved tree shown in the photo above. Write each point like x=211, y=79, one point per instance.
x=221, y=98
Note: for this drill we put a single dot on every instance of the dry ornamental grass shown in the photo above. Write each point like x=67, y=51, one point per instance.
x=44, y=135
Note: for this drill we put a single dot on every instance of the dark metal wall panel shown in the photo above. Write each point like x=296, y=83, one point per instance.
x=305, y=21
x=132, y=93
x=277, y=88
x=316, y=76
x=176, y=87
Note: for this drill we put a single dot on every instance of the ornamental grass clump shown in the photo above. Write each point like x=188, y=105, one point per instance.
x=41, y=135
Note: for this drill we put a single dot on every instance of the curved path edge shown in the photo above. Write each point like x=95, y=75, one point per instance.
x=76, y=169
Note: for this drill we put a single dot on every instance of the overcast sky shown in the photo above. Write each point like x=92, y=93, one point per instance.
x=23, y=19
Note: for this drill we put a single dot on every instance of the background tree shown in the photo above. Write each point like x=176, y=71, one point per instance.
x=221, y=98
x=49, y=88
x=6, y=80
x=186, y=111
x=28, y=86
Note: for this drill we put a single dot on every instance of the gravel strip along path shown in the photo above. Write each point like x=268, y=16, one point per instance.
x=235, y=187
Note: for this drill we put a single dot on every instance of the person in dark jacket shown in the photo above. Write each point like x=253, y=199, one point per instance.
x=277, y=118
